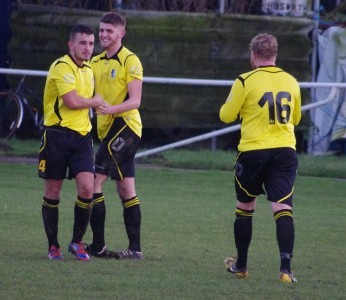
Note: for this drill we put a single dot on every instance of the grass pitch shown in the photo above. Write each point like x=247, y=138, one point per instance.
x=186, y=234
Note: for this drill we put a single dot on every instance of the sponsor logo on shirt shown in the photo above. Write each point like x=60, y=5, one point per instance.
x=69, y=78
x=134, y=70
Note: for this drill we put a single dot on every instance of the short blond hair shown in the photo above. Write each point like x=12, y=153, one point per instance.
x=264, y=46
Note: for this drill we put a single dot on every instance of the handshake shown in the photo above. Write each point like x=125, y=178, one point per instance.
x=101, y=106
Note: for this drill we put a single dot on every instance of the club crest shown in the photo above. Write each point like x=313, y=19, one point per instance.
x=113, y=73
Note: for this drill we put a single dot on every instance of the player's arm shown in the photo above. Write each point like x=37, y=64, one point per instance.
x=297, y=112
x=134, y=89
x=230, y=109
x=134, y=79
x=66, y=84
x=74, y=101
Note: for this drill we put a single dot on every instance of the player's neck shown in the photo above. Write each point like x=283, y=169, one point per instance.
x=77, y=61
x=112, y=50
x=264, y=62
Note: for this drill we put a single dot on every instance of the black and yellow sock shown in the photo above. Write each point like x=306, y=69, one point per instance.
x=132, y=219
x=97, y=222
x=242, y=234
x=82, y=213
x=285, y=237
x=50, y=216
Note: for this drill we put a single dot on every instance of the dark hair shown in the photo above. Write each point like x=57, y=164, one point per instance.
x=113, y=18
x=80, y=29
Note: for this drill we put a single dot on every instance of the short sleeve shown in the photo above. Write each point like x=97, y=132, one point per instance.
x=134, y=69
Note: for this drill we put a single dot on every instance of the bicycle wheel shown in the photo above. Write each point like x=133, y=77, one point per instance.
x=11, y=110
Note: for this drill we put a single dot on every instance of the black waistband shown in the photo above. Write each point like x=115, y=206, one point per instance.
x=56, y=127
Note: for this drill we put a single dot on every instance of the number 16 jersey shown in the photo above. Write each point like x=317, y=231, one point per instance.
x=268, y=102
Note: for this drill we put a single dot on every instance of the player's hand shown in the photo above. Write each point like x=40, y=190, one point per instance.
x=104, y=109
x=98, y=101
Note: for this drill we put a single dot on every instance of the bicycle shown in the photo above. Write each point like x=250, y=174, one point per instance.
x=13, y=106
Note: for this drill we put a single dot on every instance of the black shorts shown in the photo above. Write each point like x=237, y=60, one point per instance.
x=269, y=171
x=62, y=148
x=115, y=157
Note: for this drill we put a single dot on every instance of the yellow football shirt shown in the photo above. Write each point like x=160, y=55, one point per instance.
x=268, y=101
x=111, y=78
x=65, y=76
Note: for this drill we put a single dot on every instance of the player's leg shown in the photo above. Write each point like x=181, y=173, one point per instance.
x=248, y=185
x=81, y=167
x=243, y=231
x=50, y=216
x=98, y=217
x=124, y=147
x=285, y=237
x=279, y=185
x=52, y=168
x=131, y=214
x=83, y=205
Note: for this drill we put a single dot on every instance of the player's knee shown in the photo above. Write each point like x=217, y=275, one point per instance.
x=126, y=189
x=52, y=192
x=85, y=190
x=251, y=205
x=280, y=206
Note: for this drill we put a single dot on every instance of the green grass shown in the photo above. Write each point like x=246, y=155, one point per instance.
x=186, y=234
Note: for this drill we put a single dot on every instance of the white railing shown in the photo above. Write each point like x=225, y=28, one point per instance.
x=179, y=81
x=187, y=81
